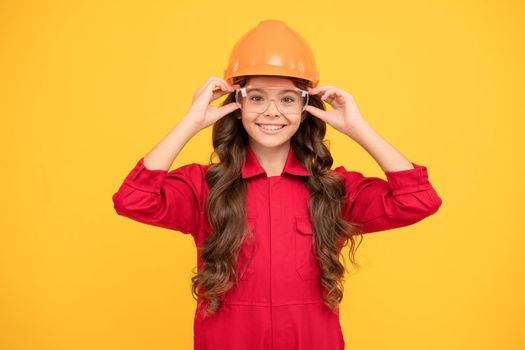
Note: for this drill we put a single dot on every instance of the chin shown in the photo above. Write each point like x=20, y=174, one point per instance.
x=268, y=143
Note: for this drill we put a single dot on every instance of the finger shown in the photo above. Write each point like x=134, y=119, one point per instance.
x=227, y=109
x=207, y=83
x=331, y=95
x=225, y=84
x=215, y=84
x=319, y=89
x=219, y=93
x=219, y=88
x=316, y=112
x=328, y=92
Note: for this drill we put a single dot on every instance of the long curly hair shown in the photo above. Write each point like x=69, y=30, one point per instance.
x=227, y=198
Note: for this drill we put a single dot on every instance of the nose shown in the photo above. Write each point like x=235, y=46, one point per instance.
x=271, y=109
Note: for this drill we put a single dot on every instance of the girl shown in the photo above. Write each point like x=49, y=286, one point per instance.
x=270, y=218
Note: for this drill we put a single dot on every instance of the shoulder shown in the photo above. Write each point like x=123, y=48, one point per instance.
x=340, y=170
x=347, y=175
x=192, y=173
x=192, y=170
x=355, y=182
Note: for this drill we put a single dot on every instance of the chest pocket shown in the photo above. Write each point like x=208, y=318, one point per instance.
x=305, y=262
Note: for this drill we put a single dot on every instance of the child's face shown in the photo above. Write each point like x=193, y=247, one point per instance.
x=252, y=120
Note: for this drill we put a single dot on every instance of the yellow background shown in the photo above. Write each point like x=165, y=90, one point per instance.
x=88, y=87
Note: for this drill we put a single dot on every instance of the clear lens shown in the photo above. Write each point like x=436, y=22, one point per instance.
x=257, y=100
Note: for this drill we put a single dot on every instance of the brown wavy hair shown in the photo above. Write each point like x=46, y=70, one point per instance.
x=227, y=198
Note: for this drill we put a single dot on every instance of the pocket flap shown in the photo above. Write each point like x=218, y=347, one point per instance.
x=303, y=224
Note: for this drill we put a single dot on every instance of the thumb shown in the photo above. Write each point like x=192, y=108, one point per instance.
x=319, y=113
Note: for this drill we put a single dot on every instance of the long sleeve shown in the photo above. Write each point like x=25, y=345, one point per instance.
x=161, y=198
x=405, y=198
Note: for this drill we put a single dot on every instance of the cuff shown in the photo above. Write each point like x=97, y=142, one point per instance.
x=409, y=180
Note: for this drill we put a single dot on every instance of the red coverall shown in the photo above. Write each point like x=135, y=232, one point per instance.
x=277, y=303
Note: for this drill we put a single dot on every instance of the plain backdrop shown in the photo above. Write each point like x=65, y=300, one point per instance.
x=88, y=87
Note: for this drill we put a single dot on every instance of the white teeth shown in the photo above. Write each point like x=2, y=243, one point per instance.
x=271, y=127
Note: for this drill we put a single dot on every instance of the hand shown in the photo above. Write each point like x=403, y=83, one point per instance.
x=345, y=115
x=204, y=114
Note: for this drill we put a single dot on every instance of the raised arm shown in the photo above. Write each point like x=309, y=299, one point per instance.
x=173, y=199
x=376, y=204
x=167, y=199
x=152, y=195
x=406, y=197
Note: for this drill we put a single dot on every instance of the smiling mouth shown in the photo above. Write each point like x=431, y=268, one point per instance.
x=271, y=126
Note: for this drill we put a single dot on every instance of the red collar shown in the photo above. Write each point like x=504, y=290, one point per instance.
x=252, y=167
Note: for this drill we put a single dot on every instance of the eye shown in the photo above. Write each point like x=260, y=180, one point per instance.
x=255, y=98
x=290, y=99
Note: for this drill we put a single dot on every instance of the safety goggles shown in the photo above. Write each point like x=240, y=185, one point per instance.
x=256, y=100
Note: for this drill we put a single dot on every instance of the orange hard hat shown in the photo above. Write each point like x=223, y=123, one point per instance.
x=272, y=48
